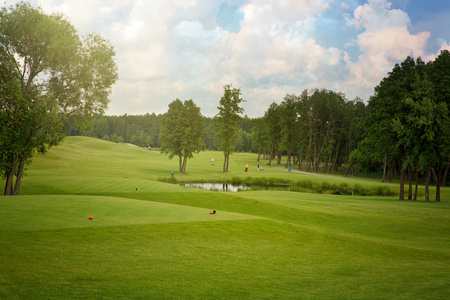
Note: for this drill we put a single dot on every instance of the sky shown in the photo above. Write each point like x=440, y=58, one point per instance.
x=190, y=49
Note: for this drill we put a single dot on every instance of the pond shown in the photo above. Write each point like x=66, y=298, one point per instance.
x=222, y=187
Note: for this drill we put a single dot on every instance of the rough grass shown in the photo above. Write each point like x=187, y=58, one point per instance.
x=160, y=242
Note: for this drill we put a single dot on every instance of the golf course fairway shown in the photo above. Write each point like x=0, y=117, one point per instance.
x=149, y=239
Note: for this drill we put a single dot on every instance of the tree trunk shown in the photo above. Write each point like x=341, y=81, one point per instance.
x=427, y=183
x=288, y=161
x=10, y=178
x=348, y=169
x=321, y=150
x=271, y=156
x=225, y=163
x=391, y=171
x=259, y=155
x=279, y=156
x=335, y=157
x=180, y=163
x=434, y=174
x=19, y=175
x=438, y=182
x=402, y=185
x=444, y=178
x=384, y=170
x=410, y=183
x=417, y=183
x=184, y=164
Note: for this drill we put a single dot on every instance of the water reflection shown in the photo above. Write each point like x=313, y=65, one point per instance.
x=223, y=187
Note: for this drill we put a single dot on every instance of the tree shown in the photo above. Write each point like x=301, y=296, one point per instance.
x=181, y=132
x=287, y=123
x=56, y=78
x=227, y=120
x=380, y=141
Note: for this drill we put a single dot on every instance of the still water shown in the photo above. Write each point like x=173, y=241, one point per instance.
x=223, y=187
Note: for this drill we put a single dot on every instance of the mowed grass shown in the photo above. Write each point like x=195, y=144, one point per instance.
x=160, y=242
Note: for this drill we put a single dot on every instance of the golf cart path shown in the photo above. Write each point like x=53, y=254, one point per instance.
x=308, y=173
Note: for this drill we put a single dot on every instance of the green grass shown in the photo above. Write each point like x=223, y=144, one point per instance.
x=161, y=242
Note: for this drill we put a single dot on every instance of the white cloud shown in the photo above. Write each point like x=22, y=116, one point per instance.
x=169, y=49
x=384, y=41
x=376, y=14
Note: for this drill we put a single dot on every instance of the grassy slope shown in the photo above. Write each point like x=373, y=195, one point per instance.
x=161, y=241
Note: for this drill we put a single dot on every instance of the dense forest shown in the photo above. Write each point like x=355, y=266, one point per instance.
x=143, y=130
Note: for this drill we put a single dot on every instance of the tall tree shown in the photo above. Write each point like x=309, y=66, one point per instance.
x=288, y=123
x=58, y=78
x=227, y=120
x=181, y=132
x=380, y=140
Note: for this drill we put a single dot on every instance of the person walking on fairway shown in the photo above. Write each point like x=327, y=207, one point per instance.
x=246, y=168
x=212, y=161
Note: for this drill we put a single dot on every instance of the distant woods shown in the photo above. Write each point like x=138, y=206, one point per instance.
x=144, y=131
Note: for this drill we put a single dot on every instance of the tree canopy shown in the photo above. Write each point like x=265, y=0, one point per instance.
x=50, y=76
x=408, y=121
x=181, y=131
x=227, y=120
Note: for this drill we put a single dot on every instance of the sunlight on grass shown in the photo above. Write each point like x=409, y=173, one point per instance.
x=154, y=240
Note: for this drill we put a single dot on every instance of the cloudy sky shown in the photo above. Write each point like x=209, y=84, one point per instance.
x=189, y=49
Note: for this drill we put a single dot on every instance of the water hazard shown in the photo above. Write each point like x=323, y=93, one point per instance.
x=221, y=187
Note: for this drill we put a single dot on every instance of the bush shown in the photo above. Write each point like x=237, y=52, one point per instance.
x=272, y=180
x=357, y=187
x=343, y=187
x=326, y=186
x=262, y=180
x=236, y=179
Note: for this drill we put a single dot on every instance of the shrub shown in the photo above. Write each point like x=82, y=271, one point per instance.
x=326, y=185
x=236, y=179
x=308, y=184
x=343, y=187
x=262, y=180
x=357, y=187
x=272, y=180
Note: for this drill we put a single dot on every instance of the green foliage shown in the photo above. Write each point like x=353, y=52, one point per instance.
x=226, y=121
x=181, y=131
x=409, y=117
x=55, y=78
x=357, y=187
x=236, y=179
x=325, y=185
x=343, y=187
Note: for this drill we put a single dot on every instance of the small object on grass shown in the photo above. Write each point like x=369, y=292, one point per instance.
x=214, y=211
x=210, y=212
x=90, y=218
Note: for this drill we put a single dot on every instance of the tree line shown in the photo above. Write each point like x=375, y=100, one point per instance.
x=407, y=126
x=144, y=131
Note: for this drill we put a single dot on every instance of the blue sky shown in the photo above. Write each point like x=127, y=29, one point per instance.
x=189, y=49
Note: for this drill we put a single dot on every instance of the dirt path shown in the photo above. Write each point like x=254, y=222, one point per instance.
x=307, y=173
